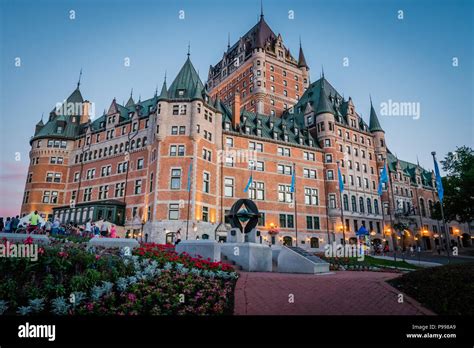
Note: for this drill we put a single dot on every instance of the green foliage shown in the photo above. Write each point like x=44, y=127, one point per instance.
x=458, y=186
x=447, y=290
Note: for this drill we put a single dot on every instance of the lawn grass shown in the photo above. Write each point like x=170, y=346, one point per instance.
x=390, y=263
x=446, y=290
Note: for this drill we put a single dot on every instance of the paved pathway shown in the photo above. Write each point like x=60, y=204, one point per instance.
x=434, y=257
x=338, y=293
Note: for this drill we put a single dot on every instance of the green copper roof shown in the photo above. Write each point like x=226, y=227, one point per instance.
x=130, y=102
x=164, y=92
x=183, y=86
x=75, y=97
x=409, y=169
x=374, y=124
x=324, y=105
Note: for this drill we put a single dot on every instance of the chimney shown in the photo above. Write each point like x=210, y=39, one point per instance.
x=236, y=111
x=85, y=112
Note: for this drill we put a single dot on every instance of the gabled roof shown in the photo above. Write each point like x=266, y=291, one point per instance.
x=185, y=81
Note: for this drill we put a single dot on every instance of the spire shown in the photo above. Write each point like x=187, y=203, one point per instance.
x=40, y=123
x=164, y=90
x=261, y=9
x=228, y=41
x=79, y=81
x=374, y=124
x=130, y=101
x=323, y=103
x=189, y=49
x=301, y=58
x=156, y=91
x=322, y=71
x=184, y=83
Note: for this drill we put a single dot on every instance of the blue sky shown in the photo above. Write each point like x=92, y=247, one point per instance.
x=407, y=60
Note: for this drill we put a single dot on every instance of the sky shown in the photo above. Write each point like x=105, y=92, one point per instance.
x=422, y=55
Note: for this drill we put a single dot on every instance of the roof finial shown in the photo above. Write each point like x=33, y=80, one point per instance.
x=79, y=81
x=131, y=92
x=228, y=40
x=42, y=114
x=156, y=90
x=261, y=9
x=165, y=76
x=322, y=71
x=189, y=48
x=370, y=97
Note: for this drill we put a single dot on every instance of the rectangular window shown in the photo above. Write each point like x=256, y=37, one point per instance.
x=229, y=187
x=119, y=189
x=312, y=222
x=257, y=191
x=205, y=214
x=286, y=221
x=284, y=151
x=138, y=187
x=206, y=182
x=140, y=162
x=285, y=194
x=311, y=196
x=173, y=211
x=175, y=179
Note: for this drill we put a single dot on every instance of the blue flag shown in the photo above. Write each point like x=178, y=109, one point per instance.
x=439, y=183
x=383, y=179
x=341, y=182
x=189, y=175
x=293, y=179
x=249, y=183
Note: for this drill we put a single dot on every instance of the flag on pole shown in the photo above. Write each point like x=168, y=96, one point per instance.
x=249, y=183
x=293, y=179
x=383, y=178
x=341, y=182
x=439, y=183
x=189, y=175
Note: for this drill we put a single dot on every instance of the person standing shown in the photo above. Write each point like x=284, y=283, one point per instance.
x=104, y=229
x=113, y=232
x=88, y=230
x=8, y=225
x=48, y=227
x=55, y=227
x=2, y=224
x=15, y=223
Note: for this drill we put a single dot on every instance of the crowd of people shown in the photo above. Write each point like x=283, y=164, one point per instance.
x=55, y=227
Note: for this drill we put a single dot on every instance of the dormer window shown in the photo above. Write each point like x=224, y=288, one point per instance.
x=259, y=122
x=285, y=137
x=310, y=142
x=271, y=124
x=296, y=130
x=275, y=135
x=181, y=92
x=259, y=132
x=59, y=130
x=247, y=129
x=227, y=126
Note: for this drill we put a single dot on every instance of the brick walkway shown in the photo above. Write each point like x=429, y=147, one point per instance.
x=339, y=293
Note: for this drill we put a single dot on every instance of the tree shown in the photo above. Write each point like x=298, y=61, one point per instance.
x=458, y=186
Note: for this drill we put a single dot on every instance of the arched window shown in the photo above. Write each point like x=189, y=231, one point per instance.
x=132, y=145
x=145, y=141
x=139, y=143
x=314, y=242
x=361, y=204
x=287, y=241
x=376, y=206
x=354, y=203
x=422, y=207
x=369, y=206
x=346, y=202
x=430, y=206
x=205, y=236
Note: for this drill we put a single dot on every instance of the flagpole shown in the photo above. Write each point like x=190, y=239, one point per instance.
x=189, y=196
x=394, y=241
x=446, y=234
x=294, y=200
x=394, y=237
x=342, y=209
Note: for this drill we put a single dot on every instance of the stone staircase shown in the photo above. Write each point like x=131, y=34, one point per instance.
x=225, y=260
x=306, y=254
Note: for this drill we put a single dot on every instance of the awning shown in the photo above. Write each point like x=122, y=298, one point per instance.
x=362, y=231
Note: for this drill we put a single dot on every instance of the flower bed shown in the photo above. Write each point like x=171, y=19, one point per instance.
x=69, y=279
x=367, y=264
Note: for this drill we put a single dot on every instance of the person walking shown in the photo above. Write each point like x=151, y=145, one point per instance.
x=34, y=221
x=177, y=237
x=113, y=232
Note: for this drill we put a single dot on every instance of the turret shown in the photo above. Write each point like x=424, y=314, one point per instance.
x=378, y=133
